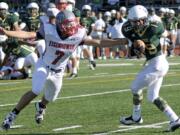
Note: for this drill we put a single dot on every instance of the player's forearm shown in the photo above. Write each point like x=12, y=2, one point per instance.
x=106, y=42
x=20, y=34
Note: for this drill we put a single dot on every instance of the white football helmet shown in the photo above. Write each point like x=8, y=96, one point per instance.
x=33, y=9
x=107, y=13
x=123, y=9
x=33, y=5
x=4, y=5
x=113, y=11
x=52, y=12
x=51, y=5
x=86, y=7
x=137, y=13
x=171, y=11
x=163, y=10
x=71, y=1
x=4, y=9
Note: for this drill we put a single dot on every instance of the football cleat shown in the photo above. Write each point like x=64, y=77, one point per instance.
x=129, y=120
x=73, y=75
x=92, y=65
x=39, y=116
x=8, y=121
x=173, y=125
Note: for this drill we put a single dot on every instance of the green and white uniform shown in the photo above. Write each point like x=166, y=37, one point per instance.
x=171, y=24
x=150, y=35
x=10, y=46
x=32, y=23
x=87, y=22
x=157, y=66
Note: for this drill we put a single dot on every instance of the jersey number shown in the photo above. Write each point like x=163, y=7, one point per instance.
x=59, y=55
x=152, y=49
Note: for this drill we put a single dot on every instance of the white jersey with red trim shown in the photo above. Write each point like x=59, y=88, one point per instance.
x=58, y=51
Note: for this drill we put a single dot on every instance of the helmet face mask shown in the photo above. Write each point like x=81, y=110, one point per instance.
x=67, y=23
x=32, y=12
x=86, y=13
x=139, y=24
x=3, y=13
x=33, y=9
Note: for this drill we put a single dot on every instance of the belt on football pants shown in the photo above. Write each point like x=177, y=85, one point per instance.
x=54, y=70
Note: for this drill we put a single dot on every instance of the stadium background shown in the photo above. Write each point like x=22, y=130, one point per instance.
x=104, y=5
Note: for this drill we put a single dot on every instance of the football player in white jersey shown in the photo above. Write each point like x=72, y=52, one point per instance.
x=61, y=40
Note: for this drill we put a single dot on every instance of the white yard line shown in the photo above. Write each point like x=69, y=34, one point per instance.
x=10, y=83
x=16, y=126
x=128, y=128
x=65, y=128
x=101, y=74
x=93, y=94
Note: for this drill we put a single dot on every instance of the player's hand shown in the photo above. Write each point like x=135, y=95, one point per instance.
x=139, y=47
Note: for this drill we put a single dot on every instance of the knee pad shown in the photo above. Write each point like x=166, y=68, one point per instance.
x=137, y=98
x=160, y=103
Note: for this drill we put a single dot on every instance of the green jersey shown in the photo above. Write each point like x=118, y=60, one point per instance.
x=150, y=35
x=9, y=21
x=87, y=22
x=32, y=23
x=170, y=23
x=11, y=44
x=77, y=12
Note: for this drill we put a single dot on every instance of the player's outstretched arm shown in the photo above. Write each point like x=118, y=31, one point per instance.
x=106, y=42
x=18, y=34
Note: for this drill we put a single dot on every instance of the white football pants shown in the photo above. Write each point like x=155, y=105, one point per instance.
x=151, y=76
x=45, y=79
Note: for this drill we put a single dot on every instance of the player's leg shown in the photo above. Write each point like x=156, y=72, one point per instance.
x=155, y=81
x=2, y=56
x=38, y=81
x=74, y=65
x=161, y=104
x=173, y=38
x=136, y=89
x=89, y=52
x=52, y=89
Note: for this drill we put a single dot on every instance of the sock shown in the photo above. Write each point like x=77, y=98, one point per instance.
x=170, y=114
x=15, y=111
x=136, y=112
x=78, y=64
x=74, y=70
x=91, y=58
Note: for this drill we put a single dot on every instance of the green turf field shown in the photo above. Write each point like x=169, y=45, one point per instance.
x=93, y=102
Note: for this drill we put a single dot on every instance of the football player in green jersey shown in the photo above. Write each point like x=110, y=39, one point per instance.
x=138, y=28
x=32, y=18
x=170, y=23
x=9, y=46
x=86, y=21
